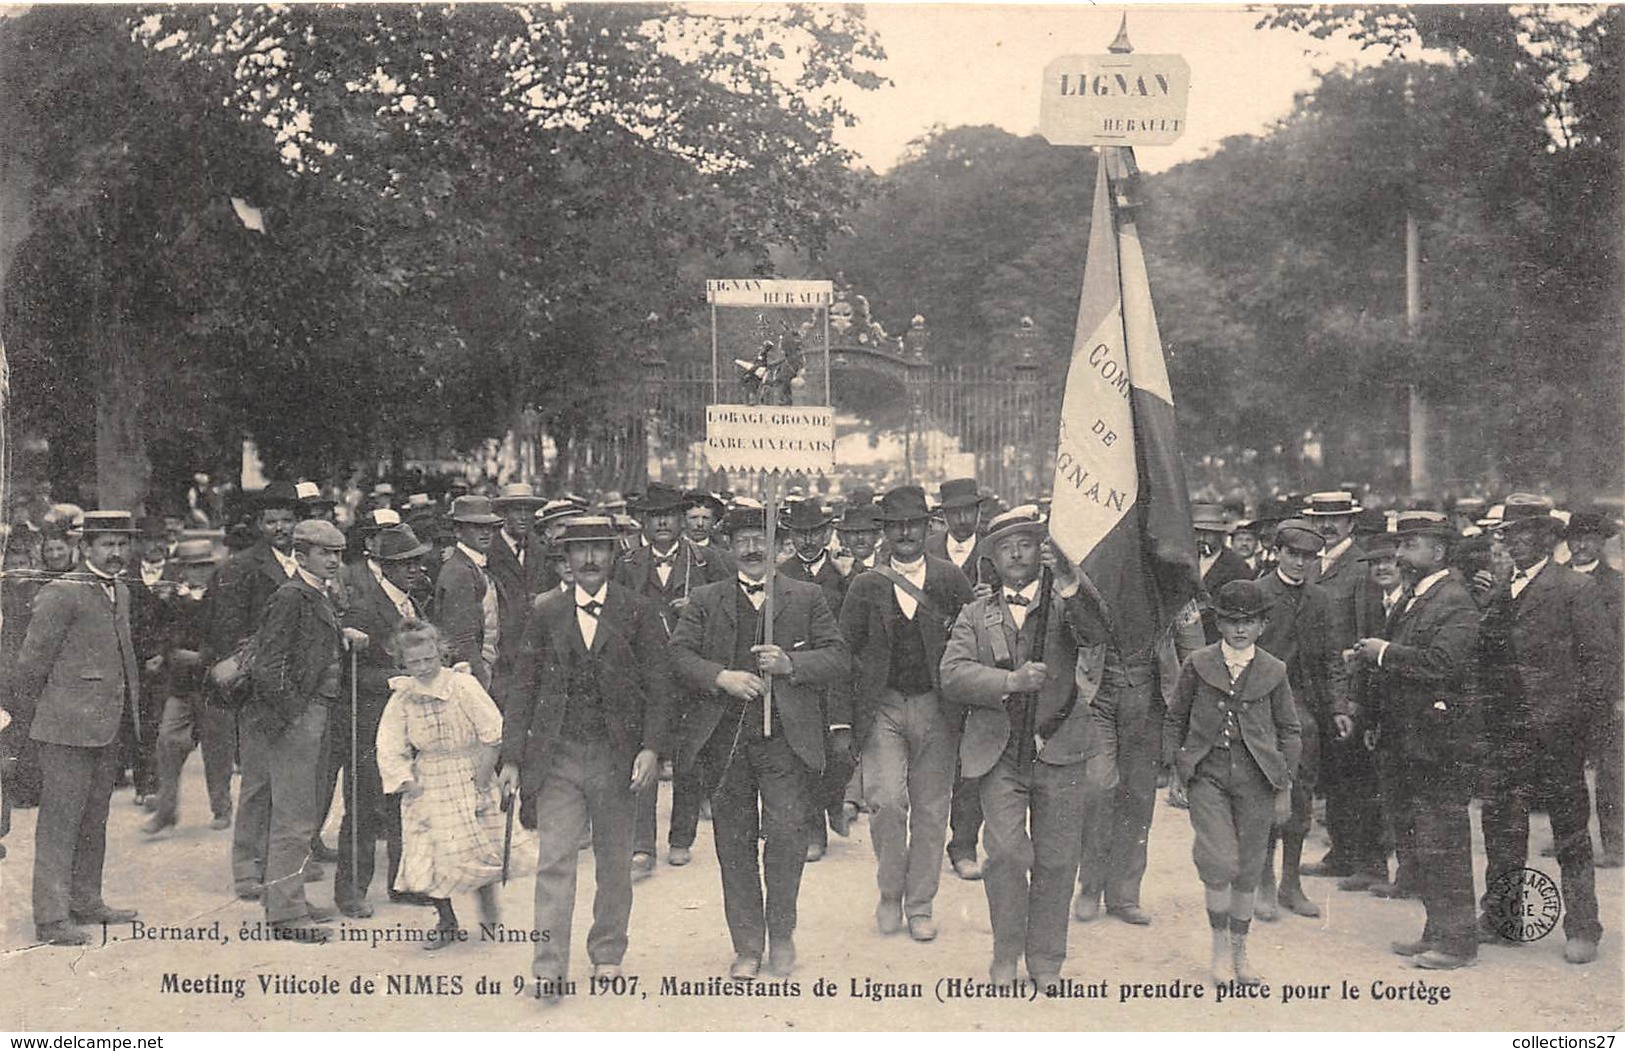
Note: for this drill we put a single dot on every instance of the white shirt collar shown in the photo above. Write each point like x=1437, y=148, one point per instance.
x=913, y=572
x=1333, y=553
x=305, y=575
x=815, y=565
x=513, y=545
x=288, y=563
x=1394, y=594
x=1236, y=658
x=960, y=549
x=1288, y=581
x=1589, y=567
x=582, y=598
x=391, y=592
x=473, y=556
x=1428, y=581
x=1030, y=592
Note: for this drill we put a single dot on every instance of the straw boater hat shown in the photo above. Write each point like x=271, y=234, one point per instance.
x=1424, y=523
x=1024, y=519
x=590, y=529
x=1208, y=518
x=1527, y=510
x=195, y=553
x=103, y=523
x=555, y=511
x=1331, y=503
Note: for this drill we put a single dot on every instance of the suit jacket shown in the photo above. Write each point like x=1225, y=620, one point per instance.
x=828, y=579
x=1430, y=718
x=459, y=604
x=77, y=668
x=978, y=568
x=1340, y=582
x=372, y=612
x=1370, y=622
x=1226, y=567
x=1297, y=634
x=297, y=654
x=869, y=618
x=1558, y=663
x=629, y=659
x=1265, y=713
x=703, y=646
x=974, y=675
x=1610, y=589
x=694, y=567
x=241, y=589
x=516, y=585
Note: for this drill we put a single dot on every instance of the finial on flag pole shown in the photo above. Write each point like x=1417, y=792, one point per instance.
x=1121, y=46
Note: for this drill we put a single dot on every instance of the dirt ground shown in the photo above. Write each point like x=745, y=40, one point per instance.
x=678, y=936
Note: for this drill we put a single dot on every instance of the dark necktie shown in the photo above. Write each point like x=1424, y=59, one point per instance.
x=591, y=609
x=666, y=560
x=752, y=589
x=1015, y=598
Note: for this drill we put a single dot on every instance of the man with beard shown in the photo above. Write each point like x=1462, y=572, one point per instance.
x=809, y=530
x=76, y=677
x=1550, y=677
x=665, y=573
x=895, y=621
x=759, y=773
x=585, y=727
x=1429, y=732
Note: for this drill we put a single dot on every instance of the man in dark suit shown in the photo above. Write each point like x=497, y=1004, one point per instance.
x=809, y=529
x=467, y=611
x=702, y=515
x=380, y=600
x=895, y=621
x=1244, y=544
x=1552, y=675
x=515, y=573
x=1218, y=564
x=587, y=722
x=748, y=766
x=665, y=573
x=1429, y=732
x=75, y=679
x=960, y=505
x=296, y=675
x=1346, y=776
x=1587, y=533
x=1029, y=761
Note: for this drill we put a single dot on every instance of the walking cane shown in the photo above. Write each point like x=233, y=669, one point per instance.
x=355, y=790
x=507, y=833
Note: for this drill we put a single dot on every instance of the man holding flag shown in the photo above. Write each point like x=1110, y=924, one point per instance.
x=1120, y=511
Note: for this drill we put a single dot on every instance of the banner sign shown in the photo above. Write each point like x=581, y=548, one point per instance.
x=1114, y=100
x=790, y=438
x=754, y=292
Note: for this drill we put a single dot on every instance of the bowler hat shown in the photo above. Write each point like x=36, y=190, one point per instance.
x=398, y=544
x=474, y=510
x=1424, y=523
x=276, y=496
x=152, y=527
x=106, y=522
x=1240, y=600
x=1299, y=536
x=1208, y=518
x=1590, y=523
x=805, y=514
x=1523, y=510
x=319, y=532
x=906, y=503
x=859, y=496
x=1024, y=519
x=960, y=492
x=518, y=494
x=195, y=553
x=660, y=498
x=860, y=517
x=590, y=529
x=744, y=515
x=1331, y=503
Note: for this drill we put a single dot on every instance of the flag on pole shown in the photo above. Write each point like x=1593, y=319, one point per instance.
x=1120, y=506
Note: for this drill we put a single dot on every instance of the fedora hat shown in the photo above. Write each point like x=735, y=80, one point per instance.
x=518, y=494
x=1424, y=523
x=590, y=529
x=398, y=544
x=1590, y=523
x=959, y=492
x=860, y=517
x=660, y=498
x=906, y=503
x=805, y=514
x=1024, y=519
x=1208, y=518
x=474, y=510
x=1528, y=510
x=1240, y=600
x=1299, y=535
x=1339, y=502
x=195, y=553
x=277, y=496
x=104, y=522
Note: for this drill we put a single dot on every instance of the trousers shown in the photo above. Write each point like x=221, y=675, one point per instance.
x=1115, y=833
x=276, y=810
x=909, y=763
x=1437, y=802
x=70, y=838
x=184, y=716
x=1232, y=809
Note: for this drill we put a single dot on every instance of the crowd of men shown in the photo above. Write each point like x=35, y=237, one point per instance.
x=922, y=660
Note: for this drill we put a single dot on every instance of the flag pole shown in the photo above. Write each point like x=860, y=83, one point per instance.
x=767, y=595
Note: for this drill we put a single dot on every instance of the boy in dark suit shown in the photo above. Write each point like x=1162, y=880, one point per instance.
x=748, y=764
x=1232, y=739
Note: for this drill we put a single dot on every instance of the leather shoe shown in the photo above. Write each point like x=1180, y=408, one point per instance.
x=320, y=913
x=220, y=821
x=441, y=937
x=781, y=957
x=606, y=972
x=889, y=916
x=156, y=824
x=104, y=914
x=643, y=866
x=1610, y=860
x=1487, y=935
x=1359, y=881
x=1436, y=960
x=322, y=852
x=840, y=819
x=1131, y=914
x=1002, y=972
x=815, y=851
x=1580, y=950
x=745, y=967
x=359, y=910
x=1086, y=907
x=1045, y=982
x=61, y=933
x=1293, y=900
x=409, y=897
x=1330, y=865
x=677, y=857
x=1393, y=890
x=922, y=928
x=1416, y=948
x=968, y=869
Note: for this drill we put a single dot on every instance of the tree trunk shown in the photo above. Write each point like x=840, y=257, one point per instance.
x=123, y=468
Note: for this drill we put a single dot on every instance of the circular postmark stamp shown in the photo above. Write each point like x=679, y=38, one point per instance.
x=1522, y=905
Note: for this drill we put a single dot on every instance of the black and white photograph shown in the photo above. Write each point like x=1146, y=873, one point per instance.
x=765, y=517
